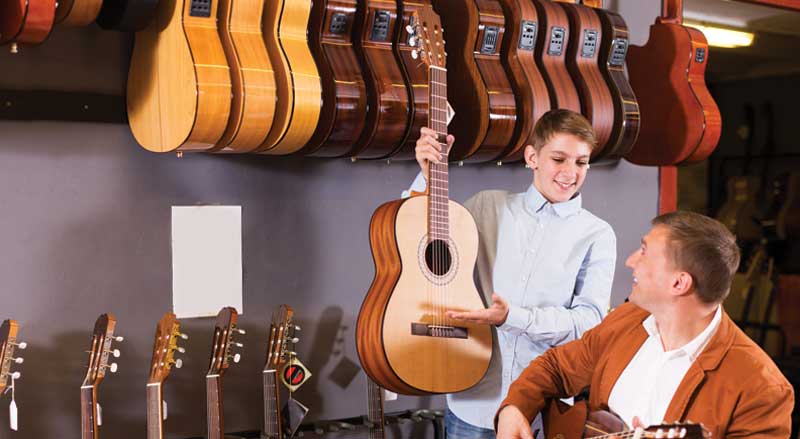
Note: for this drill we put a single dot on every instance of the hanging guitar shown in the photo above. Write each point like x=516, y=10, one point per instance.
x=26, y=21
x=102, y=338
x=423, y=268
x=551, y=53
x=221, y=357
x=164, y=347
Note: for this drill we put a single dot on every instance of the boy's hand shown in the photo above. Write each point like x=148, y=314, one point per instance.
x=512, y=424
x=428, y=149
x=493, y=315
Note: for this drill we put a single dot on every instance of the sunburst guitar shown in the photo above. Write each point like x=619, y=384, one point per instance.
x=423, y=268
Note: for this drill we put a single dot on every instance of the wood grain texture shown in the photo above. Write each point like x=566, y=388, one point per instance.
x=299, y=93
x=77, y=12
x=252, y=77
x=89, y=413
x=626, y=106
x=502, y=103
x=711, y=114
x=560, y=86
x=179, y=88
x=530, y=90
x=388, y=99
x=26, y=21
x=596, y=103
x=466, y=92
x=344, y=95
x=672, y=119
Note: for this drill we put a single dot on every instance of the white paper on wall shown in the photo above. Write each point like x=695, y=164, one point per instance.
x=206, y=260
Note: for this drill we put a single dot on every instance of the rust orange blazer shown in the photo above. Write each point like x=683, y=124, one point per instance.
x=733, y=387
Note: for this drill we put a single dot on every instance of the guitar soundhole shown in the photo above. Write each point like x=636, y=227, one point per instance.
x=437, y=257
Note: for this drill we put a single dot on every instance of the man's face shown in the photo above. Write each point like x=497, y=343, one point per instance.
x=559, y=167
x=653, y=270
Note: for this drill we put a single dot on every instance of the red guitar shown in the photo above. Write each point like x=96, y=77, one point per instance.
x=26, y=21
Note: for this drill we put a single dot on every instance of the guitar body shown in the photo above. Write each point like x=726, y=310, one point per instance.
x=386, y=126
x=551, y=54
x=26, y=21
x=126, y=15
x=406, y=291
x=517, y=56
x=344, y=95
x=582, y=62
x=179, y=86
x=740, y=208
x=613, y=49
x=299, y=93
x=252, y=78
x=711, y=114
x=673, y=119
x=77, y=12
x=467, y=92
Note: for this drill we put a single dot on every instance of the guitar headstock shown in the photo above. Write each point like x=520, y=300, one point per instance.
x=102, y=338
x=8, y=341
x=281, y=333
x=224, y=329
x=686, y=430
x=428, y=37
x=168, y=331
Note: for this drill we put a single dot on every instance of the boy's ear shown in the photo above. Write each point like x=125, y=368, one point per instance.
x=530, y=157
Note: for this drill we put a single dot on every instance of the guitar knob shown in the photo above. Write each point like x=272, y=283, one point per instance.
x=178, y=363
x=21, y=345
x=18, y=360
x=237, y=357
x=113, y=368
x=119, y=338
x=183, y=336
x=181, y=350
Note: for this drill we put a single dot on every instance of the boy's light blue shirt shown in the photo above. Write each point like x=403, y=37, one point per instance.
x=553, y=264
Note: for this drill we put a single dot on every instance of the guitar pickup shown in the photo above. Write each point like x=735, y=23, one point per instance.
x=442, y=331
x=619, y=48
x=200, y=8
x=527, y=38
x=380, y=26
x=700, y=55
x=489, y=44
x=338, y=24
x=556, y=46
x=589, y=43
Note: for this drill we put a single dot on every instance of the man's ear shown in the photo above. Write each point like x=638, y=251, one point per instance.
x=530, y=157
x=683, y=283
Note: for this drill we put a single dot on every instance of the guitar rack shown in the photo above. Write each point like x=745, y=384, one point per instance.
x=62, y=106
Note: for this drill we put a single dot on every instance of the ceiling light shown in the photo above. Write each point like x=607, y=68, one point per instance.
x=722, y=37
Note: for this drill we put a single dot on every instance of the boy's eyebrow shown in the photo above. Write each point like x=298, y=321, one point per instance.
x=585, y=156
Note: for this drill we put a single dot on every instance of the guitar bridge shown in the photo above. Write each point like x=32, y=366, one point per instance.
x=443, y=331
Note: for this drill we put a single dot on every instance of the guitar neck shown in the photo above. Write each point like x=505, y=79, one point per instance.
x=214, y=407
x=438, y=176
x=89, y=412
x=154, y=411
x=375, y=410
x=272, y=414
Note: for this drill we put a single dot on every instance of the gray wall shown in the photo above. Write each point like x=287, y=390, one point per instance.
x=85, y=229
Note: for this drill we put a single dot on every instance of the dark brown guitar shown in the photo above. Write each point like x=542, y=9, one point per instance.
x=221, y=357
x=583, y=64
x=281, y=332
x=344, y=94
x=680, y=121
x=164, y=347
x=551, y=54
x=26, y=21
x=8, y=343
x=102, y=338
x=613, y=50
x=517, y=55
x=386, y=126
x=562, y=421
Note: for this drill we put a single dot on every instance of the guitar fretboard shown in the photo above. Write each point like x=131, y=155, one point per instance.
x=214, y=407
x=375, y=410
x=438, y=200
x=272, y=419
x=88, y=412
x=154, y=413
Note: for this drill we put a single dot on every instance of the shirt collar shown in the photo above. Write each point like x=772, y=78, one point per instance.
x=694, y=347
x=535, y=201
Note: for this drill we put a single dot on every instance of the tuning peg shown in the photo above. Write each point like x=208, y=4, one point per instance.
x=113, y=367
x=297, y=328
x=115, y=353
x=412, y=41
x=237, y=357
x=16, y=376
x=415, y=54
x=295, y=340
x=410, y=29
x=238, y=345
x=181, y=350
x=178, y=363
x=241, y=331
x=21, y=345
x=18, y=360
x=119, y=339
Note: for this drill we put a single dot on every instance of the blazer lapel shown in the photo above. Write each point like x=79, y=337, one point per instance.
x=621, y=354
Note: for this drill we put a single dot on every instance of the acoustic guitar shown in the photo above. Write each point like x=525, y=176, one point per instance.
x=164, y=347
x=8, y=343
x=583, y=65
x=562, y=421
x=386, y=127
x=281, y=338
x=179, y=84
x=551, y=55
x=680, y=121
x=405, y=341
x=221, y=357
x=26, y=21
x=252, y=78
x=375, y=419
x=126, y=15
x=77, y=12
x=102, y=339
x=344, y=94
x=299, y=93
x=517, y=56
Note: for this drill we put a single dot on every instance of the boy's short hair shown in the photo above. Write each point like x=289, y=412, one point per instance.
x=562, y=121
x=704, y=248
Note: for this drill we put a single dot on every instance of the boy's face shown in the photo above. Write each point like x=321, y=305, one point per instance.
x=559, y=167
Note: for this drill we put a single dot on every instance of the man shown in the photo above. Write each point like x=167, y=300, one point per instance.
x=672, y=353
x=546, y=262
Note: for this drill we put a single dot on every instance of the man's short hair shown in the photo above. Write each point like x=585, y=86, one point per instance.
x=562, y=121
x=704, y=248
